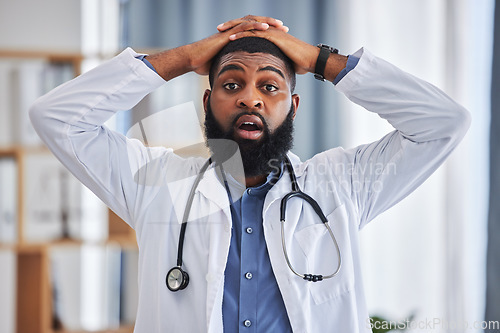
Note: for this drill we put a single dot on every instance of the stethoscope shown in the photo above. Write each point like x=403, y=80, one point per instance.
x=178, y=279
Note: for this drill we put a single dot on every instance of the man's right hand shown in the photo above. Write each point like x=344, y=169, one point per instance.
x=197, y=56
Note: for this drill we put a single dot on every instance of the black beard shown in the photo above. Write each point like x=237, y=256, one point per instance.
x=258, y=157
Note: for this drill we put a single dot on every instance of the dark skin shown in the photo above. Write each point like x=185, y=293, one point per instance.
x=255, y=82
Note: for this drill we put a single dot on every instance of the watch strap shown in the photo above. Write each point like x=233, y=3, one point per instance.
x=324, y=53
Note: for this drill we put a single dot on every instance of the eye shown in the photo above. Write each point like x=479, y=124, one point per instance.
x=270, y=87
x=231, y=86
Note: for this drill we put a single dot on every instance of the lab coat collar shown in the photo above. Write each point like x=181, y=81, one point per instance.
x=213, y=189
x=284, y=185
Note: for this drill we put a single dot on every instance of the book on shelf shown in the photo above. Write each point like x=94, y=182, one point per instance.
x=129, y=292
x=26, y=87
x=8, y=200
x=42, y=198
x=56, y=205
x=94, y=286
x=6, y=121
x=66, y=278
x=112, y=272
x=22, y=81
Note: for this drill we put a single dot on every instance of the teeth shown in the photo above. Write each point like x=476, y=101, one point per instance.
x=248, y=123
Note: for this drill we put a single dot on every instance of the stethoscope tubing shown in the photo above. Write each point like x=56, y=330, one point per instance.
x=296, y=192
x=188, y=210
x=179, y=279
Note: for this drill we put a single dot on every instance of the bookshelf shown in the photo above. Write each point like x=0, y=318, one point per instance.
x=73, y=59
x=22, y=157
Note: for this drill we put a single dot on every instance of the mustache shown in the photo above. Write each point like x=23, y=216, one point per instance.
x=249, y=113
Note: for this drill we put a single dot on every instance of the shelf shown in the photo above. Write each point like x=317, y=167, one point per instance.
x=124, y=329
x=33, y=271
x=55, y=57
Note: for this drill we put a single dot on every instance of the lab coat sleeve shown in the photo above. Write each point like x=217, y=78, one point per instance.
x=70, y=119
x=428, y=126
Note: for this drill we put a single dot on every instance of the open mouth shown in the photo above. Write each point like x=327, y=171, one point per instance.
x=249, y=127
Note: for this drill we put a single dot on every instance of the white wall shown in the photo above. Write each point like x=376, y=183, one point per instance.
x=426, y=255
x=40, y=25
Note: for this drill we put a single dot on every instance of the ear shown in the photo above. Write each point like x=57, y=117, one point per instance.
x=295, y=103
x=206, y=95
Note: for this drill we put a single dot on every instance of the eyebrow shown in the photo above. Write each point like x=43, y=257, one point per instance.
x=233, y=67
x=273, y=69
x=230, y=68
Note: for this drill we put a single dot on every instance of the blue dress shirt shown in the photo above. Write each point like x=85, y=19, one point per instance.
x=252, y=300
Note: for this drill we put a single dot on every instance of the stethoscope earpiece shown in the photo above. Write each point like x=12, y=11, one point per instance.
x=177, y=279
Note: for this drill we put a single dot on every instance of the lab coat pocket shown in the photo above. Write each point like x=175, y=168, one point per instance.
x=322, y=258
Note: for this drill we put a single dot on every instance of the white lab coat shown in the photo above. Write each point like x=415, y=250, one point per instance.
x=352, y=187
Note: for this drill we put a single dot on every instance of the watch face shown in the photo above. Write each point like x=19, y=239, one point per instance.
x=174, y=279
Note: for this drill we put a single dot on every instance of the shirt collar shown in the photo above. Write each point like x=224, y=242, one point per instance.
x=237, y=189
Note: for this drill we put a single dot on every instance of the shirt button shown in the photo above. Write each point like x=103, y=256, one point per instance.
x=249, y=191
x=249, y=230
x=248, y=276
x=247, y=323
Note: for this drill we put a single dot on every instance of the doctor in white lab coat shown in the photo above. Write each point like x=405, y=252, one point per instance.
x=351, y=186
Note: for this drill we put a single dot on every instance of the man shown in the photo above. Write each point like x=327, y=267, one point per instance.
x=242, y=270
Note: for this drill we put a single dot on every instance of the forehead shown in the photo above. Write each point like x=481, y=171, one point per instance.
x=251, y=61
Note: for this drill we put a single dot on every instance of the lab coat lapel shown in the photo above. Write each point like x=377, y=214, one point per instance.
x=217, y=203
x=272, y=233
x=213, y=190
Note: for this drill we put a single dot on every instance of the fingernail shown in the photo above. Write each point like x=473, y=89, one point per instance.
x=232, y=37
x=265, y=25
x=220, y=25
x=280, y=22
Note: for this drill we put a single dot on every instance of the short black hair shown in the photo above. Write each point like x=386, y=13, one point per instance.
x=253, y=45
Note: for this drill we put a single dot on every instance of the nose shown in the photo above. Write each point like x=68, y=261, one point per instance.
x=250, y=98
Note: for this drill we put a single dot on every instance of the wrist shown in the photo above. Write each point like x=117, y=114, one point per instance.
x=187, y=53
x=170, y=63
x=336, y=63
x=328, y=63
x=322, y=59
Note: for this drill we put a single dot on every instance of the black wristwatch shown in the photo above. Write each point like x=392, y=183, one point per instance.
x=324, y=53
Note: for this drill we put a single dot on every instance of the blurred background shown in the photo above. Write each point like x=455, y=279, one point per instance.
x=66, y=263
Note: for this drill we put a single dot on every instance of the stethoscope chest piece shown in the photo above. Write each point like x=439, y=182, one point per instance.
x=177, y=279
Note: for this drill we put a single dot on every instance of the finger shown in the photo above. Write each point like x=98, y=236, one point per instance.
x=229, y=25
x=241, y=34
x=283, y=28
x=248, y=26
x=245, y=30
x=263, y=19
